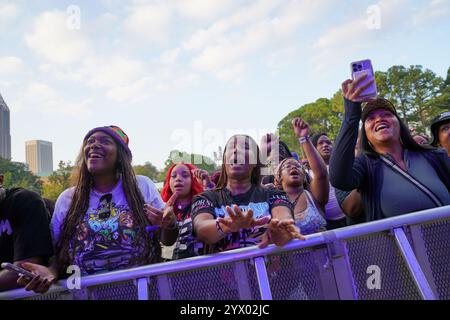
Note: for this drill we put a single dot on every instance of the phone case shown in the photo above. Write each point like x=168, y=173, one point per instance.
x=364, y=67
x=18, y=270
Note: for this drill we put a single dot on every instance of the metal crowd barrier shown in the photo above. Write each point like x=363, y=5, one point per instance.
x=405, y=257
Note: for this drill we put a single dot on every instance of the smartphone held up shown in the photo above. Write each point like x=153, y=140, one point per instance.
x=19, y=270
x=362, y=68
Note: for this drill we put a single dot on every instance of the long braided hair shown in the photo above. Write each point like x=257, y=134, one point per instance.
x=83, y=180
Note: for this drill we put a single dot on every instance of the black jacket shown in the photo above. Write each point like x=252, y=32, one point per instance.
x=364, y=172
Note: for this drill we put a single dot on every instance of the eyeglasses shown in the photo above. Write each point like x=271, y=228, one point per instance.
x=290, y=166
x=105, y=203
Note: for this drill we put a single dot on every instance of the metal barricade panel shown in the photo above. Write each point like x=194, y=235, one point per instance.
x=125, y=290
x=380, y=250
x=294, y=276
x=63, y=295
x=436, y=236
x=214, y=283
x=153, y=289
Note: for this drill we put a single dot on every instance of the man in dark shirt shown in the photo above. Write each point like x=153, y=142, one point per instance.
x=24, y=231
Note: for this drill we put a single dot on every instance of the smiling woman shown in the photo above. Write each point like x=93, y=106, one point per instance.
x=100, y=224
x=394, y=174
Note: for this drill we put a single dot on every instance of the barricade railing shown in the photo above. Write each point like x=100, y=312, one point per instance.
x=404, y=257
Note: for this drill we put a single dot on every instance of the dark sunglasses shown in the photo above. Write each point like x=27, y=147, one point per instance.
x=105, y=212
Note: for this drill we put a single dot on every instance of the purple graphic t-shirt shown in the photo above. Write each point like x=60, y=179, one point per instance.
x=104, y=237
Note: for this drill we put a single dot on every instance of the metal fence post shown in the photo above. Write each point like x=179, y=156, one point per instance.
x=263, y=279
x=338, y=256
x=413, y=265
x=142, y=288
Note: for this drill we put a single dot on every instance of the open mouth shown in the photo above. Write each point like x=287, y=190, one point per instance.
x=381, y=126
x=294, y=173
x=95, y=155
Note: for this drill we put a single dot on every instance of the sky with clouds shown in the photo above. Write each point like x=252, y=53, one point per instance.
x=186, y=74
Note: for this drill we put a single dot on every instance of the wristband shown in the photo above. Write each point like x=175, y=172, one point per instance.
x=219, y=228
x=302, y=140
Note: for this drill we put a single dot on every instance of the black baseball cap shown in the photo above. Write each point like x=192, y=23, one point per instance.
x=436, y=122
x=379, y=103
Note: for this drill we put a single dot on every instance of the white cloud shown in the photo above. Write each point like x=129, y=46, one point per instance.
x=150, y=22
x=436, y=9
x=46, y=100
x=231, y=73
x=111, y=71
x=8, y=11
x=244, y=16
x=54, y=41
x=203, y=9
x=11, y=65
x=264, y=25
x=347, y=39
x=130, y=93
x=170, y=56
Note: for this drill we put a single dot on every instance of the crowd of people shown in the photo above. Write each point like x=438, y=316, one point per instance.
x=112, y=219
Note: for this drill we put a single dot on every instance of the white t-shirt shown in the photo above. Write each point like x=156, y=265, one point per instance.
x=104, y=243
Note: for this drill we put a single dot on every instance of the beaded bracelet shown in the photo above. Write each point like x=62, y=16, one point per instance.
x=219, y=228
x=303, y=139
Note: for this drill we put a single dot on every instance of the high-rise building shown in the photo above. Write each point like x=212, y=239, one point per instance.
x=5, y=134
x=39, y=157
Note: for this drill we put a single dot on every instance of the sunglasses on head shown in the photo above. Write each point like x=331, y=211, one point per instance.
x=105, y=211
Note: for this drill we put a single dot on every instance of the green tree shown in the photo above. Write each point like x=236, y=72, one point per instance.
x=147, y=170
x=58, y=181
x=200, y=161
x=418, y=94
x=323, y=115
x=16, y=174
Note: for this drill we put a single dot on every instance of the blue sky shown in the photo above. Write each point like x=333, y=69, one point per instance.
x=187, y=74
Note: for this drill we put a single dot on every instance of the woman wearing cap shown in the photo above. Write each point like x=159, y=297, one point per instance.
x=100, y=224
x=394, y=174
x=440, y=128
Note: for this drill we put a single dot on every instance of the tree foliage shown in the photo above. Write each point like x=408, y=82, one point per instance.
x=16, y=174
x=148, y=170
x=58, y=181
x=176, y=156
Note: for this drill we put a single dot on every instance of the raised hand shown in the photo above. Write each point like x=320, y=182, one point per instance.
x=280, y=232
x=351, y=90
x=164, y=218
x=239, y=219
x=203, y=178
x=41, y=282
x=301, y=127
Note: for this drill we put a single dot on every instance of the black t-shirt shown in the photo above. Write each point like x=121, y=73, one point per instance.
x=24, y=226
x=186, y=245
x=260, y=200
